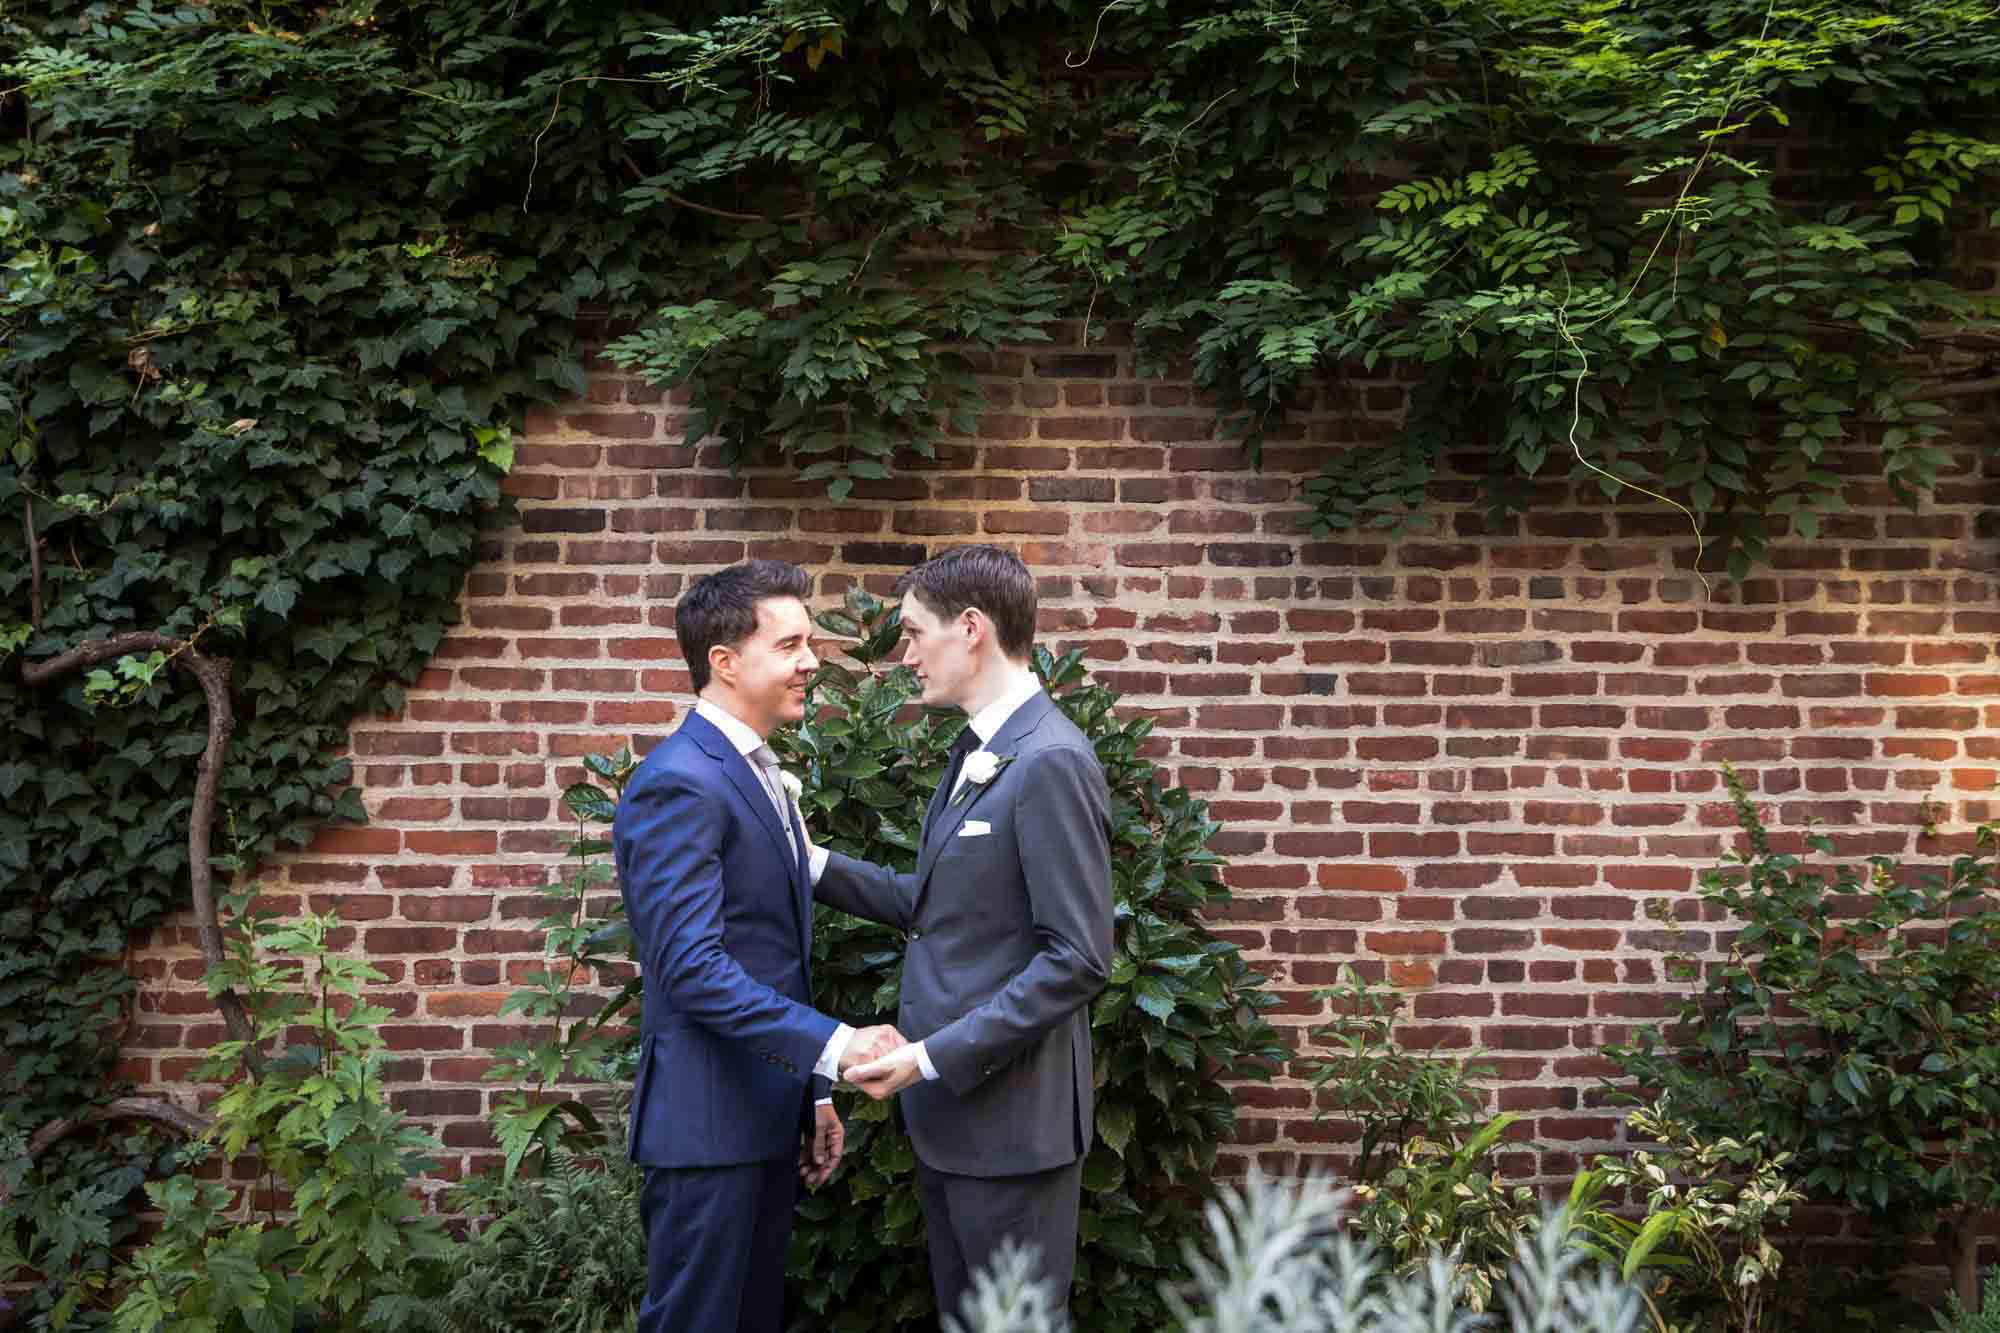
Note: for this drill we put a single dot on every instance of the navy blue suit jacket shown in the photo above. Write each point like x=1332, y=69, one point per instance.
x=722, y=912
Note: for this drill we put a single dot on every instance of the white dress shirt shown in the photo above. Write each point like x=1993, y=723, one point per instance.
x=1022, y=685
x=741, y=735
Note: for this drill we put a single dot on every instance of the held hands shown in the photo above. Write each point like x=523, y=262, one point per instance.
x=822, y=1157
x=870, y=1044
x=888, y=1074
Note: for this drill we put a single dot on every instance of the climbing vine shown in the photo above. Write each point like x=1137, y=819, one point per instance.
x=1608, y=242
x=270, y=309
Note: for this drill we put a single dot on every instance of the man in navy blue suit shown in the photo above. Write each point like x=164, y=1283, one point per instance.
x=734, y=1062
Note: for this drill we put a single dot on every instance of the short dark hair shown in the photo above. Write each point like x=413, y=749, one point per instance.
x=721, y=608
x=987, y=577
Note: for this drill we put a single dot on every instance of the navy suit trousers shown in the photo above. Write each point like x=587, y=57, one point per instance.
x=716, y=1240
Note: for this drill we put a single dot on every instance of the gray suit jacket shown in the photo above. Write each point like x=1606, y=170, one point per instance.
x=1010, y=940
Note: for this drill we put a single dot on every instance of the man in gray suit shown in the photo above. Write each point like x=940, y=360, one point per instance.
x=1009, y=921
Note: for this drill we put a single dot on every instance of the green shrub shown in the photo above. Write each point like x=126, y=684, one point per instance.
x=1711, y=1205
x=1391, y=1093
x=1278, y=1260
x=67, y=1236
x=559, y=1252
x=1955, y=1318
x=354, y=1236
x=1854, y=1025
x=1444, y=1197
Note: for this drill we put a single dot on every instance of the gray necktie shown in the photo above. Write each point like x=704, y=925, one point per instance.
x=765, y=760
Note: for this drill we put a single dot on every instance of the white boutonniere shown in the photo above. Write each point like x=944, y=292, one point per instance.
x=793, y=787
x=980, y=768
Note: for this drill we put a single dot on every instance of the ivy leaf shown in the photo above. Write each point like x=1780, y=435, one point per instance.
x=279, y=596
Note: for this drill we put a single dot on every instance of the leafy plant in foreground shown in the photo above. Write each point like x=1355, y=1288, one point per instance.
x=333, y=1229
x=1854, y=1026
x=1278, y=1259
x=1711, y=1206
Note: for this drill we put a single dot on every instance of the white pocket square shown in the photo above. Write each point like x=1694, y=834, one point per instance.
x=974, y=828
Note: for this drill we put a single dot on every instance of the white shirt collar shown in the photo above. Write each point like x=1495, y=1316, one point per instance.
x=1021, y=687
x=740, y=733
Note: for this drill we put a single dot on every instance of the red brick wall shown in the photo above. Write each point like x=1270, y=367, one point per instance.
x=1467, y=759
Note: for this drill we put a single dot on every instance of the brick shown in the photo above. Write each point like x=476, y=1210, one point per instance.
x=1466, y=761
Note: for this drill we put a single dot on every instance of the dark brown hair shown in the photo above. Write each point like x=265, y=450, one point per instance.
x=721, y=608
x=987, y=577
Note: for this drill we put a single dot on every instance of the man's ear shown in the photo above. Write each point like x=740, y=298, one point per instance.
x=977, y=627
x=722, y=664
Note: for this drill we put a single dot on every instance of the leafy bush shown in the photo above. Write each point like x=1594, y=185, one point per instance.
x=588, y=938
x=66, y=1237
x=558, y=1252
x=1394, y=1094
x=1710, y=1206
x=1278, y=1260
x=328, y=1149
x=1445, y=1198
x=1855, y=1026
x=1955, y=1318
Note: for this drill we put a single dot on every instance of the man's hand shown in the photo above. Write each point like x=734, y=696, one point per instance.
x=823, y=1149
x=870, y=1044
x=888, y=1075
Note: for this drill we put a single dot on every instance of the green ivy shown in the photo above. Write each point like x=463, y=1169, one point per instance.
x=1574, y=232
x=270, y=310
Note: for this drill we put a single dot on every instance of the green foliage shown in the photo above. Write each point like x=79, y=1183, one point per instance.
x=590, y=1047
x=1445, y=1197
x=1710, y=1206
x=563, y=1252
x=1566, y=228
x=1393, y=1094
x=1853, y=1026
x=328, y=1149
x=1277, y=1260
x=65, y=1236
x=1955, y=1318
x=270, y=310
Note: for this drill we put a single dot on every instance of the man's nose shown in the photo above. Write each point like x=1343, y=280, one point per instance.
x=811, y=662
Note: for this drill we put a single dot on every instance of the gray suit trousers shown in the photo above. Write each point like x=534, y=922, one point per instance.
x=967, y=1217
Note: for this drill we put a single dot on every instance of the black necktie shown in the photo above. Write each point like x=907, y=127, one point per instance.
x=967, y=742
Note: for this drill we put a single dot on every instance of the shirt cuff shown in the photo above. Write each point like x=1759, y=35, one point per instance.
x=924, y=1062
x=819, y=858
x=824, y=1101
x=828, y=1065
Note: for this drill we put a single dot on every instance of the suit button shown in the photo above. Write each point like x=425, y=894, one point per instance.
x=916, y=935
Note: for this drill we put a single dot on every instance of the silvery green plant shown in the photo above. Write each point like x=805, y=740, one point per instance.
x=1280, y=1259
x=1008, y=1297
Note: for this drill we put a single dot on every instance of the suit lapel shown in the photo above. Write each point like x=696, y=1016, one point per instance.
x=932, y=811
x=748, y=786
x=946, y=819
